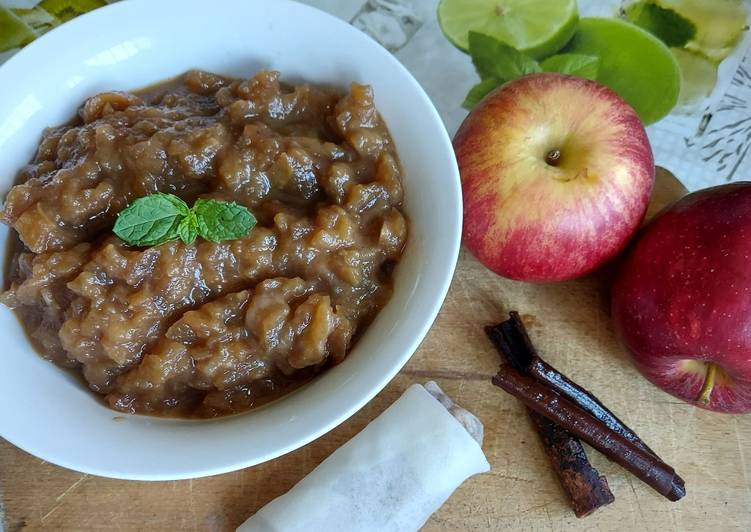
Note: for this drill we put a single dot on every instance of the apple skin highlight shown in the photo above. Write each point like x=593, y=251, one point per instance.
x=529, y=220
x=682, y=299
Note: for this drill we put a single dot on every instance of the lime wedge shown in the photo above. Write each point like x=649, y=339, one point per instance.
x=537, y=27
x=719, y=24
x=13, y=32
x=698, y=77
x=633, y=62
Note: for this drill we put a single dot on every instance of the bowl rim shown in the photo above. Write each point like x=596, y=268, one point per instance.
x=452, y=242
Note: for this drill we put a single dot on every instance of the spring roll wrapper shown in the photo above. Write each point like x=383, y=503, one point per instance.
x=392, y=476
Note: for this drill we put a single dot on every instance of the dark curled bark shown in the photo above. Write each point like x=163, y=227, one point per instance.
x=586, y=488
x=564, y=405
x=533, y=365
x=566, y=414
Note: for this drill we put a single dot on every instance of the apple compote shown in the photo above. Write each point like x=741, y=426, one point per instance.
x=209, y=328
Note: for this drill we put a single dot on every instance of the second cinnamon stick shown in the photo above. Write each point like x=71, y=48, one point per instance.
x=566, y=414
x=530, y=363
x=586, y=488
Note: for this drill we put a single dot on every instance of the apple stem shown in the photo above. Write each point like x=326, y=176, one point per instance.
x=553, y=157
x=709, y=380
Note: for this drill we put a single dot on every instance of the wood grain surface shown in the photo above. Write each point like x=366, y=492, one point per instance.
x=569, y=324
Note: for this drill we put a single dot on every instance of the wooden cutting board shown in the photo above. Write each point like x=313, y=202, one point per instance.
x=569, y=324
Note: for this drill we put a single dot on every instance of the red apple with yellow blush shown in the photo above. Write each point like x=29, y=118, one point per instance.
x=556, y=174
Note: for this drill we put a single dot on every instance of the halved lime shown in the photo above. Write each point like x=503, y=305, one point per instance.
x=633, y=62
x=537, y=27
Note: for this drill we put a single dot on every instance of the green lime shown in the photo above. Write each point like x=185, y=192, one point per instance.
x=537, y=27
x=633, y=62
x=13, y=32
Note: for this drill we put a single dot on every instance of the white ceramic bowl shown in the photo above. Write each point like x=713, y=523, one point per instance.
x=135, y=43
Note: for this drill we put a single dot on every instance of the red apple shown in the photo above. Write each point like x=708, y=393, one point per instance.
x=556, y=174
x=682, y=300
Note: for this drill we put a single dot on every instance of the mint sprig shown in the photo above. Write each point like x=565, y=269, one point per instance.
x=584, y=66
x=159, y=218
x=151, y=220
x=479, y=91
x=495, y=59
x=496, y=63
x=218, y=220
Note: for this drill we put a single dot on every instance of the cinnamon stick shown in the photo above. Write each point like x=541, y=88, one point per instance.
x=586, y=488
x=532, y=364
x=564, y=413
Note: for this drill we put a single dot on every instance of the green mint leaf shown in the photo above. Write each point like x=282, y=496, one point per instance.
x=159, y=218
x=479, y=91
x=220, y=220
x=151, y=220
x=584, y=66
x=495, y=59
x=187, y=230
x=665, y=24
x=179, y=204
